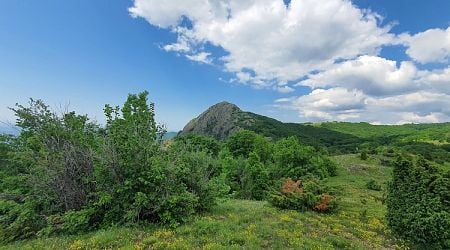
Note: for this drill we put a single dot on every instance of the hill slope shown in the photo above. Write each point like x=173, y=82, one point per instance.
x=223, y=119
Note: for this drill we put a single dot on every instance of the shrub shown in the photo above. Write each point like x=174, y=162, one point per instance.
x=373, y=185
x=243, y=142
x=363, y=155
x=18, y=220
x=64, y=174
x=302, y=196
x=418, y=210
x=150, y=183
x=248, y=178
x=295, y=160
x=193, y=142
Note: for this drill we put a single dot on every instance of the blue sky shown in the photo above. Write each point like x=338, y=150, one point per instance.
x=87, y=53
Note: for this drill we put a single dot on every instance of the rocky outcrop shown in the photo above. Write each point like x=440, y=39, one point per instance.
x=219, y=121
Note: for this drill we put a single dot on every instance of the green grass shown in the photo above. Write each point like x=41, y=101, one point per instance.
x=237, y=224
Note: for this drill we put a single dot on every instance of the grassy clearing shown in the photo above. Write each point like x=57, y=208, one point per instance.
x=237, y=224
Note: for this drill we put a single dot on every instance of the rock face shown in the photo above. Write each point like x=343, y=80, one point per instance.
x=219, y=121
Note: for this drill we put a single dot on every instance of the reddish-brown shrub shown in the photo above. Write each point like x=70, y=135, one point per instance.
x=324, y=203
x=290, y=186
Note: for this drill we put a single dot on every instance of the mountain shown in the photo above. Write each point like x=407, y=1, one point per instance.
x=223, y=119
x=219, y=121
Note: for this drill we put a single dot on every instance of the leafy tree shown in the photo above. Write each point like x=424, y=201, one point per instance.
x=294, y=160
x=149, y=183
x=193, y=142
x=243, y=142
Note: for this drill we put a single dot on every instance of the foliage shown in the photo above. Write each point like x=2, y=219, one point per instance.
x=248, y=178
x=194, y=142
x=309, y=194
x=65, y=174
x=429, y=140
x=418, y=204
x=363, y=155
x=295, y=160
x=243, y=142
x=373, y=185
x=252, y=163
x=235, y=224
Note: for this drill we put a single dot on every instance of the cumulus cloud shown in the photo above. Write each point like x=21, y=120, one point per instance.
x=328, y=104
x=332, y=47
x=439, y=80
x=340, y=104
x=273, y=41
x=371, y=74
x=377, y=90
x=432, y=45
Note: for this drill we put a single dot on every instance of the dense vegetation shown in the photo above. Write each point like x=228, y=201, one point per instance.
x=432, y=141
x=66, y=175
x=418, y=204
x=250, y=224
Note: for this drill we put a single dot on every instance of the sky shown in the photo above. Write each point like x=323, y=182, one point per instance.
x=383, y=62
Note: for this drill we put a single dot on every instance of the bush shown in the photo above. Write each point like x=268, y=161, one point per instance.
x=18, y=220
x=418, y=210
x=248, y=178
x=243, y=142
x=193, y=142
x=373, y=185
x=302, y=196
x=295, y=160
x=65, y=174
x=363, y=155
x=150, y=183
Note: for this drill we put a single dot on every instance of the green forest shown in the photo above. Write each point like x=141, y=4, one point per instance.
x=67, y=182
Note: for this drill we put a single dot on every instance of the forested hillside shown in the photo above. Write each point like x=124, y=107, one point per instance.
x=432, y=141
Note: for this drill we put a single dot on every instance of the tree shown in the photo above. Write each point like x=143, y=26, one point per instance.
x=193, y=142
x=249, y=177
x=293, y=160
x=243, y=142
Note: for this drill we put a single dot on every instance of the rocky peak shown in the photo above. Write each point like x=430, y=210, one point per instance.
x=219, y=120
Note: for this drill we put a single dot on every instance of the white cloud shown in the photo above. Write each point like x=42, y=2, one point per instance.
x=284, y=89
x=330, y=104
x=332, y=48
x=438, y=80
x=371, y=74
x=340, y=104
x=182, y=45
x=273, y=41
x=202, y=57
x=432, y=45
x=410, y=117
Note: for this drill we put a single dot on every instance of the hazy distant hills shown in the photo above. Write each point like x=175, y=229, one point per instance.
x=169, y=135
x=8, y=129
x=223, y=119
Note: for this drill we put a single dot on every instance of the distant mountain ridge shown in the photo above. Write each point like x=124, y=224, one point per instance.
x=223, y=119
